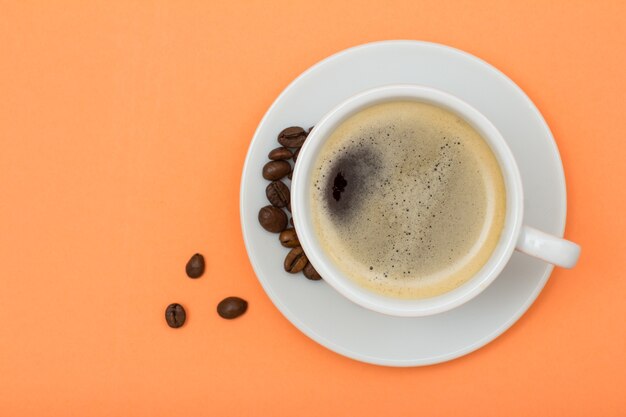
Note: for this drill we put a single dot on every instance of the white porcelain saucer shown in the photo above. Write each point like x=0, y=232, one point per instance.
x=338, y=324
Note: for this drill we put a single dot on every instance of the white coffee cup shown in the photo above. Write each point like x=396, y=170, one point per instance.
x=514, y=236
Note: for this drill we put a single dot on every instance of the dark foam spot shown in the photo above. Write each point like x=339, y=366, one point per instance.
x=350, y=180
x=339, y=186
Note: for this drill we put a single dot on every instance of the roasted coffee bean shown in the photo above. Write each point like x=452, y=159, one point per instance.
x=295, y=154
x=277, y=193
x=292, y=137
x=288, y=207
x=311, y=273
x=175, y=315
x=195, y=266
x=232, y=307
x=289, y=176
x=309, y=132
x=296, y=260
x=288, y=238
x=272, y=219
x=280, y=153
x=275, y=170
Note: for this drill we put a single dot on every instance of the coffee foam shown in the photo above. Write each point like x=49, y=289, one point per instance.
x=423, y=204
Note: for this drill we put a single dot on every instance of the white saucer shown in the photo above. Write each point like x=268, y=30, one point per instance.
x=338, y=324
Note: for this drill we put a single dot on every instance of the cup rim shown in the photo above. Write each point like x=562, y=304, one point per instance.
x=326, y=267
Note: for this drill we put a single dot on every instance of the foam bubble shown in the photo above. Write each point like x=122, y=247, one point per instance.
x=408, y=199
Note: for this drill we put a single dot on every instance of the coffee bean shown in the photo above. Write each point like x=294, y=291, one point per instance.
x=272, y=219
x=290, y=174
x=288, y=238
x=275, y=170
x=288, y=207
x=195, y=266
x=309, y=132
x=311, y=273
x=175, y=315
x=296, y=260
x=295, y=154
x=232, y=307
x=292, y=137
x=277, y=193
x=279, y=153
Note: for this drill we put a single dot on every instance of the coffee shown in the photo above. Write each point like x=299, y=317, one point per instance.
x=232, y=307
x=408, y=200
x=195, y=266
x=175, y=315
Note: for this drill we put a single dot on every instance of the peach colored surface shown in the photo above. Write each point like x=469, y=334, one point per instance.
x=123, y=130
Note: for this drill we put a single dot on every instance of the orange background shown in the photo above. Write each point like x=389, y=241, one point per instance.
x=123, y=130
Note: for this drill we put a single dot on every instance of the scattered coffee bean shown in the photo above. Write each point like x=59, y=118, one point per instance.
x=295, y=154
x=296, y=260
x=232, y=307
x=275, y=170
x=278, y=194
x=272, y=219
x=175, y=315
x=280, y=153
x=195, y=266
x=311, y=273
x=288, y=238
x=288, y=207
x=292, y=137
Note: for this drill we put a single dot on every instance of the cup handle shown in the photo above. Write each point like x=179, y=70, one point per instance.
x=552, y=249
